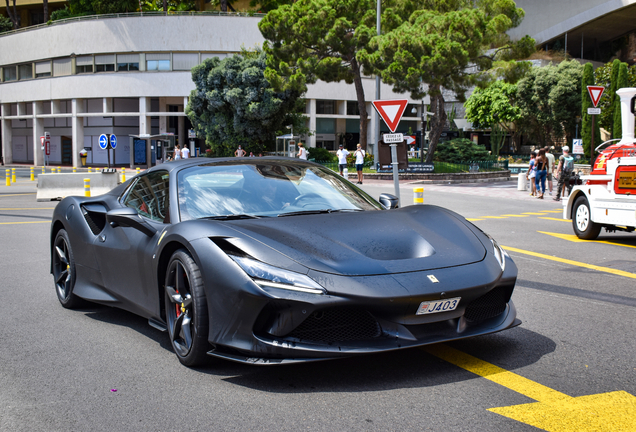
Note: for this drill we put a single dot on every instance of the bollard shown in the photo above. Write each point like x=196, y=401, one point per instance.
x=8, y=177
x=43, y=170
x=138, y=170
x=87, y=187
x=418, y=195
x=32, y=174
x=74, y=169
x=90, y=170
x=123, y=175
x=13, y=175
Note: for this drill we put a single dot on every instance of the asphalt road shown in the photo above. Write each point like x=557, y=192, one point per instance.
x=570, y=366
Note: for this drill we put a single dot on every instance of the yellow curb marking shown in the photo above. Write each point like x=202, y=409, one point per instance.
x=573, y=238
x=15, y=223
x=574, y=263
x=554, y=411
x=12, y=195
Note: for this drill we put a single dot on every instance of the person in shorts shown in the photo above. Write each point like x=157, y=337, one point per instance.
x=531, y=174
x=550, y=156
x=342, y=154
x=359, y=154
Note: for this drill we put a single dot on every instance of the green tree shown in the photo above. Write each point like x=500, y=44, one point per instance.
x=605, y=76
x=233, y=104
x=616, y=64
x=312, y=40
x=621, y=82
x=172, y=5
x=549, y=101
x=586, y=102
x=447, y=44
x=461, y=150
x=495, y=105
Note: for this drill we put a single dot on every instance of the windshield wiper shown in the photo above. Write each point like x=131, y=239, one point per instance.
x=305, y=212
x=233, y=217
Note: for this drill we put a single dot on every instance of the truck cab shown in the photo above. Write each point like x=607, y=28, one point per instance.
x=607, y=196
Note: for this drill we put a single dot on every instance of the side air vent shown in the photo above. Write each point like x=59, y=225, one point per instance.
x=227, y=247
x=95, y=215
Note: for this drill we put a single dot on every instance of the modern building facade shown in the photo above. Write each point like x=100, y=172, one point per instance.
x=129, y=75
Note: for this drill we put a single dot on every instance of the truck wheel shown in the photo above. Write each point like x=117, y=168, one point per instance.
x=582, y=221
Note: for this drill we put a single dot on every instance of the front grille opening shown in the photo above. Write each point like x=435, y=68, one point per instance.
x=337, y=325
x=489, y=305
x=96, y=220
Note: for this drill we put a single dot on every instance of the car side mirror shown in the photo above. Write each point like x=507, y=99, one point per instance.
x=128, y=217
x=388, y=201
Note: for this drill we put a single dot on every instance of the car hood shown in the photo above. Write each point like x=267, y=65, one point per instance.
x=413, y=238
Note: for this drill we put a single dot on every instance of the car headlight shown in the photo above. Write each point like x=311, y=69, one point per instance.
x=499, y=253
x=266, y=275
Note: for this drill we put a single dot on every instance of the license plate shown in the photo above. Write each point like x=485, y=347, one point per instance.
x=435, y=306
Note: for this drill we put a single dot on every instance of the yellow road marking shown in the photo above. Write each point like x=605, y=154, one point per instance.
x=573, y=238
x=12, y=195
x=511, y=215
x=15, y=223
x=30, y=208
x=554, y=411
x=532, y=213
x=493, y=217
x=556, y=219
x=473, y=219
x=574, y=263
x=552, y=211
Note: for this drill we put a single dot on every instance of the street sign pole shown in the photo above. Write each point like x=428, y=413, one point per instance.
x=396, y=175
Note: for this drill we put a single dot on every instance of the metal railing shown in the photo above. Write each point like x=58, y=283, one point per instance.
x=130, y=15
x=444, y=167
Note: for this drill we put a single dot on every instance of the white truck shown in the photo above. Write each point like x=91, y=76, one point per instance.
x=607, y=197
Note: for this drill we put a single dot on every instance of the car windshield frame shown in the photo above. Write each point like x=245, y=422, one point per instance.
x=265, y=187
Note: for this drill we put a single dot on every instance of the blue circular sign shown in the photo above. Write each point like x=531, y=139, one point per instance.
x=113, y=141
x=103, y=141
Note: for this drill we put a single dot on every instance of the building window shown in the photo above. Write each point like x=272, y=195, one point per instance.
x=325, y=126
x=157, y=62
x=84, y=64
x=352, y=108
x=25, y=71
x=10, y=73
x=185, y=61
x=105, y=63
x=127, y=62
x=325, y=107
x=37, y=18
x=84, y=69
x=62, y=67
x=43, y=69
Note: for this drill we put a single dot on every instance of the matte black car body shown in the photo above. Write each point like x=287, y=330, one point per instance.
x=376, y=268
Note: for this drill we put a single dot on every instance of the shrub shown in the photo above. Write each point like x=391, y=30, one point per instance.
x=320, y=154
x=461, y=150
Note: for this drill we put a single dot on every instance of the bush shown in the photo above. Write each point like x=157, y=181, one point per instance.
x=5, y=24
x=320, y=154
x=461, y=150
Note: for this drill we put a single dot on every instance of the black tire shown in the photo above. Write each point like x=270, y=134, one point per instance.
x=64, y=271
x=186, y=310
x=582, y=221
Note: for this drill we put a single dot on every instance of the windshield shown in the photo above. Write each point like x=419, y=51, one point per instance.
x=265, y=188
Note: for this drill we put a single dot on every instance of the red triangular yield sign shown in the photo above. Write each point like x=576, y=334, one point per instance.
x=595, y=93
x=391, y=111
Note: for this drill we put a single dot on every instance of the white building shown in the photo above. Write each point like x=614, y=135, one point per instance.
x=129, y=75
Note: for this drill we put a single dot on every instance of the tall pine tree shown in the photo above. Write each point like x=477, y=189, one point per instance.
x=621, y=82
x=586, y=102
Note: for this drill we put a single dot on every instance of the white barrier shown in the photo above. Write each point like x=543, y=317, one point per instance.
x=57, y=186
x=522, y=182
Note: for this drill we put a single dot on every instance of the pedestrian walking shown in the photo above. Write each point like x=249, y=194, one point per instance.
x=564, y=172
x=550, y=156
x=177, y=153
x=302, y=152
x=531, y=174
x=239, y=152
x=342, y=154
x=359, y=154
x=541, y=165
x=185, y=152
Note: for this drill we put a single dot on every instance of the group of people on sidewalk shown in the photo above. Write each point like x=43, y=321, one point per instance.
x=541, y=170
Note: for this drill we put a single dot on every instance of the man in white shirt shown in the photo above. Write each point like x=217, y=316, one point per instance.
x=185, y=152
x=342, y=154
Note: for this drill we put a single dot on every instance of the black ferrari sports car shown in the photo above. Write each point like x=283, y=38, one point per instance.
x=273, y=260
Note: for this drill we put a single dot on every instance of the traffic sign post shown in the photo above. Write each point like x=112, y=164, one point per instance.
x=107, y=142
x=391, y=112
x=595, y=93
